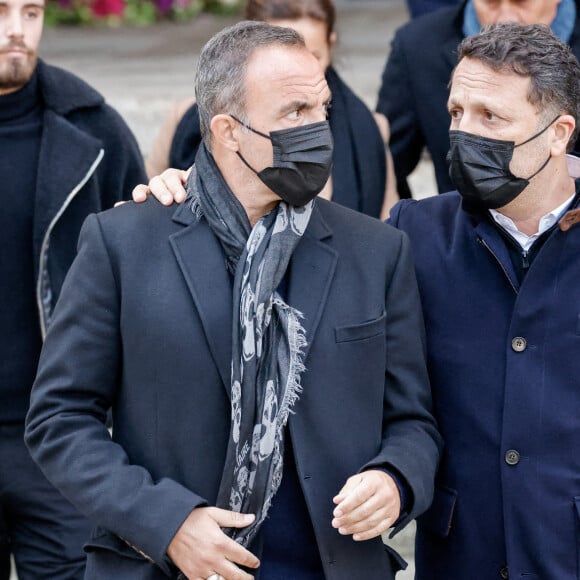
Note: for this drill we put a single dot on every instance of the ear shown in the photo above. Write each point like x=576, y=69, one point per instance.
x=563, y=129
x=332, y=39
x=224, y=131
x=332, y=42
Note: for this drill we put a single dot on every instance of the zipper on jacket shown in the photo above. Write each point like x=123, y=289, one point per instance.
x=485, y=245
x=42, y=275
x=525, y=261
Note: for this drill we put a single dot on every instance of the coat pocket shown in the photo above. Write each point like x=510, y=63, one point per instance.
x=438, y=519
x=361, y=331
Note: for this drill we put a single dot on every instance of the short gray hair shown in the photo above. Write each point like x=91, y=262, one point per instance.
x=221, y=70
x=532, y=51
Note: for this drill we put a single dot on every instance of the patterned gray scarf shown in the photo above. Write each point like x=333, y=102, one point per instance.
x=267, y=340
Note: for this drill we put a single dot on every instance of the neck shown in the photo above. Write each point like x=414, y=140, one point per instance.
x=254, y=196
x=540, y=198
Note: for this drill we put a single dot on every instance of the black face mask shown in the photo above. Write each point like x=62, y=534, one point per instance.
x=480, y=168
x=302, y=161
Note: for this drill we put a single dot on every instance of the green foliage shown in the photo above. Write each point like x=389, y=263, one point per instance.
x=132, y=12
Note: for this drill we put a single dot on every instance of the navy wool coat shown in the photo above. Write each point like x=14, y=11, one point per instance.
x=414, y=91
x=144, y=326
x=504, y=365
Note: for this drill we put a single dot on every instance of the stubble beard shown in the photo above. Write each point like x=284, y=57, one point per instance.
x=16, y=72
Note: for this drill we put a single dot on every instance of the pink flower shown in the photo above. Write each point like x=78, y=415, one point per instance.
x=103, y=8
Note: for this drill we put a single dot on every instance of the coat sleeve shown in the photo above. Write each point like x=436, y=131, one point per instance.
x=411, y=443
x=66, y=433
x=397, y=102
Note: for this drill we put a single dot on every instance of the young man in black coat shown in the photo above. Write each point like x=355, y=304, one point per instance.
x=414, y=89
x=64, y=154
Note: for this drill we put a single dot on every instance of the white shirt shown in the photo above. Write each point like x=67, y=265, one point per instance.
x=546, y=223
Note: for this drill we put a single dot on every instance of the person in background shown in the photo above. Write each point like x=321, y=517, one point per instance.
x=419, y=7
x=498, y=266
x=261, y=350
x=414, y=89
x=64, y=154
x=362, y=178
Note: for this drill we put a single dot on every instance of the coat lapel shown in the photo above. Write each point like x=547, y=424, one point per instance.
x=203, y=265
x=67, y=159
x=312, y=270
x=201, y=260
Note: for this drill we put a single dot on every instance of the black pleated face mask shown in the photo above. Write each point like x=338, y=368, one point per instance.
x=302, y=161
x=480, y=168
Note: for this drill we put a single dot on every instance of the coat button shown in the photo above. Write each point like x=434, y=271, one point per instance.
x=503, y=573
x=519, y=344
x=512, y=457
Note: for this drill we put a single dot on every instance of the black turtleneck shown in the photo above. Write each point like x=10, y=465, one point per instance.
x=20, y=340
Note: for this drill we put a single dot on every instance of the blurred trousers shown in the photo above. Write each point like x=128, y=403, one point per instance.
x=41, y=529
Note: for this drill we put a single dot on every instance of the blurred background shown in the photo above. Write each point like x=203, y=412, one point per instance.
x=143, y=65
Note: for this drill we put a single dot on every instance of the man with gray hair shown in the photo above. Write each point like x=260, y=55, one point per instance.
x=262, y=354
x=497, y=263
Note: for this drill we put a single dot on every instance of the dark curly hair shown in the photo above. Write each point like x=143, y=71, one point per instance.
x=532, y=51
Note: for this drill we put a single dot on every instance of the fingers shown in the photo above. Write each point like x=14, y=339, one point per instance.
x=367, y=505
x=169, y=186
x=139, y=193
x=230, y=571
x=355, y=492
x=200, y=548
x=374, y=532
x=231, y=549
x=370, y=517
x=159, y=188
x=229, y=519
x=229, y=556
x=234, y=552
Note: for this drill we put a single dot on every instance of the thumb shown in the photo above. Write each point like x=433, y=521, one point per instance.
x=229, y=519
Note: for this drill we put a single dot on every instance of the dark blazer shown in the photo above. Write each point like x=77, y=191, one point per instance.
x=89, y=159
x=359, y=171
x=144, y=325
x=414, y=91
x=504, y=365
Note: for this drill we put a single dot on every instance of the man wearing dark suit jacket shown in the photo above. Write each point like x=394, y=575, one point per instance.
x=414, y=89
x=249, y=333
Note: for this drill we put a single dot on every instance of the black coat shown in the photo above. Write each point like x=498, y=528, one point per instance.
x=144, y=326
x=508, y=489
x=414, y=91
x=89, y=159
